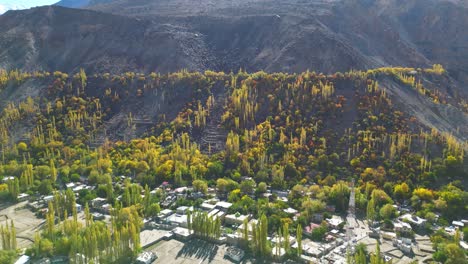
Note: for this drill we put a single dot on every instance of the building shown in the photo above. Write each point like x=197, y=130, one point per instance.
x=98, y=216
x=404, y=247
x=458, y=224
x=23, y=260
x=389, y=235
x=463, y=245
x=207, y=206
x=164, y=214
x=48, y=198
x=224, y=206
x=249, y=226
x=290, y=211
x=146, y=258
x=335, y=222
x=8, y=178
x=275, y=240
x=220, y=215
x=402, y=227
x=414, y=220
x=235, y=219
x=36, y=205
x=97, y=202
x=106, y=208
x=183, y=209
x=23, y=197
x=70, y=185
x=235, y=253
x=278, y=252
x=177, y=220
x=308, y=229
x=182, y=233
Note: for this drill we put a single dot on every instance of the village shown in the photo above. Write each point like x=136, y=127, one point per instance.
x=167, y=238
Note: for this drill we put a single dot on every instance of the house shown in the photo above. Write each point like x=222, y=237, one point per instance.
x=278, y=253
x=308, y=229
x=178, y=220
x=463, y=245
x=97, y=202
x=280, y=193
x=220, y=215
x=414, y=220
x=249, y=226
x=458, y=224
x=106, y=208
x=43, y=261
x=182, y=233
x=235, y=253
x=275, y=240
x=207, y=206
x=23, y=197
x=224, y=206
x=404, y=247
x=235, y=219
x=183, y=209
x=48, y=198
x=402, y=227
x=36, y=205
x=79, y=188
x=23, y=260
x=213, y=212
x=8, y=178
x=146, y=258
x=98, y=216
x=290, y=211
x=335, y=222
x=164, y=214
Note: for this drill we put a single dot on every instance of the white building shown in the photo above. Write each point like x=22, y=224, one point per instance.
x=235, y=219
x=23, y=260
x=249, y=226
x=414, y=220
x=223, y=206
x=23, y=197
x=182, y=233
x=290, y=211
x=458, y=224
x=335, y=222
x=207, y=206
x=402, y=227
x=183, y=209
x=8, y=178
x=178, y=219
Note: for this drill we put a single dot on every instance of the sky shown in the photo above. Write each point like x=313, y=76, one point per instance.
x=5, y=5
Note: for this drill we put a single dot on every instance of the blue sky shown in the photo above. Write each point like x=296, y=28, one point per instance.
x=21, y=4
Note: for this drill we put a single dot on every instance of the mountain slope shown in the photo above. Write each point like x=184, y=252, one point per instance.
x=289, y=36
x=53, y=38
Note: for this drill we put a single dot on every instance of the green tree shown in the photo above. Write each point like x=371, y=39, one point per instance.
x=247, y=187
x=299, y=239
x=387, y=212
x=262, y=187
x=200, y=186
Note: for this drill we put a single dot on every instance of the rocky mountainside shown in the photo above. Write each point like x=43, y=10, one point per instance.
x=272, y=35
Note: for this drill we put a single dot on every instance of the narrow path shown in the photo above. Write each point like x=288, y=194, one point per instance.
x=214, y=135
